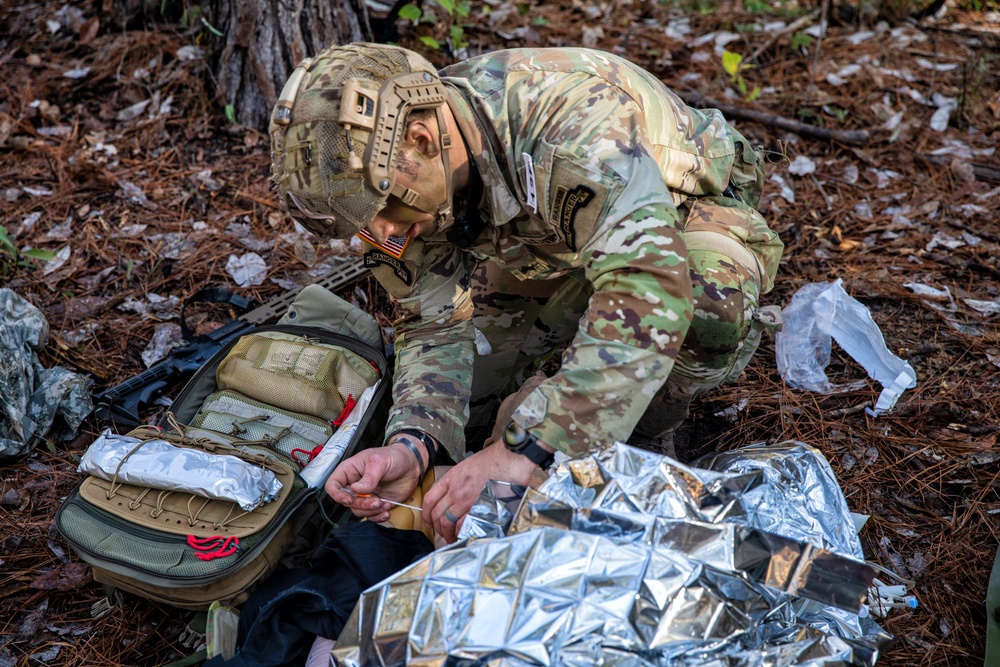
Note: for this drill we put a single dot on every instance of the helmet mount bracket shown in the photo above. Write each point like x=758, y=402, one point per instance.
x=396, y=97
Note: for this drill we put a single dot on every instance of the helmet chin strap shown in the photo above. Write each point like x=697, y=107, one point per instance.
x=444, y=213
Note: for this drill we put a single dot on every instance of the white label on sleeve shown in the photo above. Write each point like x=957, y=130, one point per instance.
x=483, y=347
x=529, y=182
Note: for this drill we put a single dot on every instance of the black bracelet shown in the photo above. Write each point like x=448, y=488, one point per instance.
x=427, y=440
x=416, y=453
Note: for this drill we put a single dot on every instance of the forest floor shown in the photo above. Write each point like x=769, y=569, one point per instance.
x=119, y=169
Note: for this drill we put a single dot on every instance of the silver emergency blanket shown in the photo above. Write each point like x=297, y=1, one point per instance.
x=493, y=512
x=161, y=465
x=36, y=403
x=625, y=557
x=798, y=495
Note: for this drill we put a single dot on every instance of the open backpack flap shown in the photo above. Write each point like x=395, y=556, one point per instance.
x=161, y=516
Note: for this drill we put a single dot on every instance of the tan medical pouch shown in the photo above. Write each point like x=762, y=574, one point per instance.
x=302, y=376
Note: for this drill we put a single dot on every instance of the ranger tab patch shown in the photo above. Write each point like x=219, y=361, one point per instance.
x=565, y=205
x=373, y=258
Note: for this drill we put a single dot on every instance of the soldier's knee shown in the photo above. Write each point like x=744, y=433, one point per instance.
x=737, y=231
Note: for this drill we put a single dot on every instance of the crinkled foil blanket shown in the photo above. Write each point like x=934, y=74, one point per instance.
x=625, y=557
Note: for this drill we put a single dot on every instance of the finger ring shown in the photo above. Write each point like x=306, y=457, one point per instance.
x=451, y=517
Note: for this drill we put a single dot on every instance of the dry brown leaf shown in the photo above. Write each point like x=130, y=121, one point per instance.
x=842, y=244
x=994, y=104
x=65, y=578
x=89, y=29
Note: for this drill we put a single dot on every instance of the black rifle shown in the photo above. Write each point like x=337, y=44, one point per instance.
x=123, y=403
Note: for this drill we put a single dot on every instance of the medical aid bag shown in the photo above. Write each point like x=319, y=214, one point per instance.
x=285, y=403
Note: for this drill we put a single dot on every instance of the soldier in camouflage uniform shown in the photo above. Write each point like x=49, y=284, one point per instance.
x=530, y=198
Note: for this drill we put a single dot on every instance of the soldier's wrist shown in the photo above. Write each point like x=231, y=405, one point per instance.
x=414, y=451
x=429, y=444
x=422, y=446
x=520, y=441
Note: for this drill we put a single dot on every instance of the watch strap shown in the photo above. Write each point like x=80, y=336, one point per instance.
x=527, y=445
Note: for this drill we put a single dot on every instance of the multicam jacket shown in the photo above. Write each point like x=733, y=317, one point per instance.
x=584, y=159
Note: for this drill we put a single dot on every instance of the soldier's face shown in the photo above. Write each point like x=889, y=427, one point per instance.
x=398, y=219
x=423, y=173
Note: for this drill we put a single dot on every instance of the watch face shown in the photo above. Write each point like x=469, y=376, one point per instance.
x=514, y=436
x=520, y=441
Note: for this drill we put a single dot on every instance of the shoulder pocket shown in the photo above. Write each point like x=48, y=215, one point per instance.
x=577, y=195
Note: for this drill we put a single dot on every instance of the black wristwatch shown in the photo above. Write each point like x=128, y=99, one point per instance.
x=518, y=440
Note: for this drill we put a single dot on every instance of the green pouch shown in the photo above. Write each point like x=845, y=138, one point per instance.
x=293, y=434
x=139, y=540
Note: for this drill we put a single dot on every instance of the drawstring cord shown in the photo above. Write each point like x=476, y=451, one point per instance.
x=310, y=453
x=223, y=546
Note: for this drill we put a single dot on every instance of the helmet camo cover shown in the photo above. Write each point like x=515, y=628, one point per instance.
x=348, y=100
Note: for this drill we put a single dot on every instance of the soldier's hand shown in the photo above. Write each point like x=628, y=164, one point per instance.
x=451, y=497
x=361, y=481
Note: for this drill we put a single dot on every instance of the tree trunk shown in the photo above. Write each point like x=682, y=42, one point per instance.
x=263, y=40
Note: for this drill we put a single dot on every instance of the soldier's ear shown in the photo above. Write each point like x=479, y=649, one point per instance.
x=423, y=137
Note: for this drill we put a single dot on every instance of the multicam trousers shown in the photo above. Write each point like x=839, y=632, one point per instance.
x=732, y=258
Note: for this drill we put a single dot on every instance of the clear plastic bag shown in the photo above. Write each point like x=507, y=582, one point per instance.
x=820, y=312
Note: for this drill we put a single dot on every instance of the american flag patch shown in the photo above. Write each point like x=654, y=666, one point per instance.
x=394, y=245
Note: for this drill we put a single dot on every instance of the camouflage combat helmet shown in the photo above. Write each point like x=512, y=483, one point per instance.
x=336, y=130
